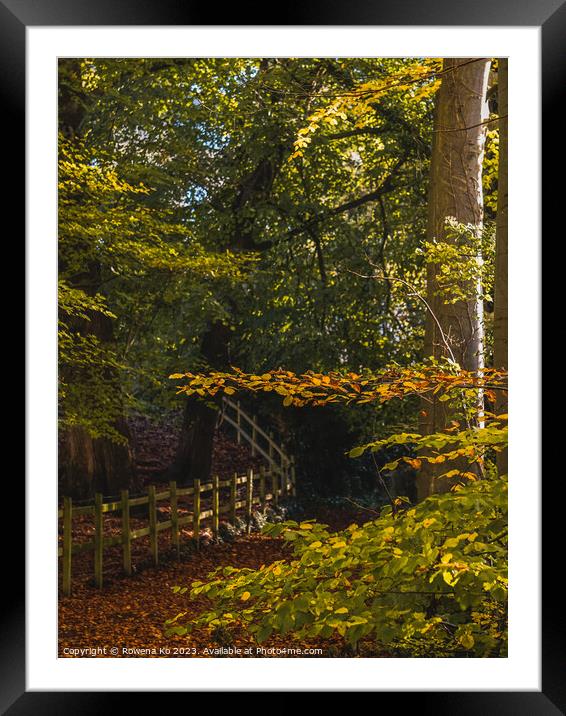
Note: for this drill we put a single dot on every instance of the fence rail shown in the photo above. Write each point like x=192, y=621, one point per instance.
x=269, y=485
x=247, y=428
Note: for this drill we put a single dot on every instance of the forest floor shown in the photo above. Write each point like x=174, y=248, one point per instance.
x=128, y=614
x=126, y=617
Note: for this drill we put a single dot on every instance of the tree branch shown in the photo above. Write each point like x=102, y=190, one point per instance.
x=385, y=187
x=353, y=133
x=472, y=126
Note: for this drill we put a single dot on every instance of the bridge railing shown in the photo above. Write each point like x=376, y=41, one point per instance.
x=261, y=442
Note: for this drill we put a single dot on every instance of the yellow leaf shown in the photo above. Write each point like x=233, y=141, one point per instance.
x=467, y=641
x=245, y=596
x=342, y=610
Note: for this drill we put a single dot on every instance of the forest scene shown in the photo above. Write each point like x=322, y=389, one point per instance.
x=282, y=302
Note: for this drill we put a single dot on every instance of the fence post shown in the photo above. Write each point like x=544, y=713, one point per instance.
x=126, y=536
x=196, y=513
x=262, y=488
x=249, y=500
x=283, y=469
x=174, y=517
x=254, y=435
x=238, y=422
x=274, y=486
x=293, y=478
x=233, y=496
x=98, y=539
x=270, y=448
x=152, y=509
x=215, y=506
x=67, y=543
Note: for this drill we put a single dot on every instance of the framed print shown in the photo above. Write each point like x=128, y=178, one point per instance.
x=265, y=271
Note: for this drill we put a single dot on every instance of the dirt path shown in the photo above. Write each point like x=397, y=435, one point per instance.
x=128, y=614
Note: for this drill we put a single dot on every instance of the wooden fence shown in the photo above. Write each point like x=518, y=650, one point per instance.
x=261, y=488
x=247, y=430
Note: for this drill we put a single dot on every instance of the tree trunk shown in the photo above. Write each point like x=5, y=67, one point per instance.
x=456, y=329
x=500, y=298
x=88, y=465
x=194, y=453
x=193, y=458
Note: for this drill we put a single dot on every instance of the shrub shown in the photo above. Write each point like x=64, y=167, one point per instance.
x=429, y=579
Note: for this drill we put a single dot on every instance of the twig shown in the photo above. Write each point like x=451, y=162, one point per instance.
x=361, y=507
x=415, y=293
x=421, y=298
x=472, y=126
x=384, y=485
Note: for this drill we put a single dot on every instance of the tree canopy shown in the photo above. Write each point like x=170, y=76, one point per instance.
x=186, y=185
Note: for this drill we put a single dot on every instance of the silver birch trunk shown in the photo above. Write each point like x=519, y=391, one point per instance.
x=500, y=298
x=455, y=191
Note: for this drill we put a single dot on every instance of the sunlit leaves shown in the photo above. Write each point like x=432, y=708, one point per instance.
x=108, y=237
x=433, y=577
x=319, y=389
x=464, y=262
x=469, y=445
x=418, y=78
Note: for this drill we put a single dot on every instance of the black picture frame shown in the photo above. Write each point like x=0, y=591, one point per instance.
x=15, y=16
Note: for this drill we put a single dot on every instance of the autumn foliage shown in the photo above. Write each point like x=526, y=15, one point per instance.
x=319, y=389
